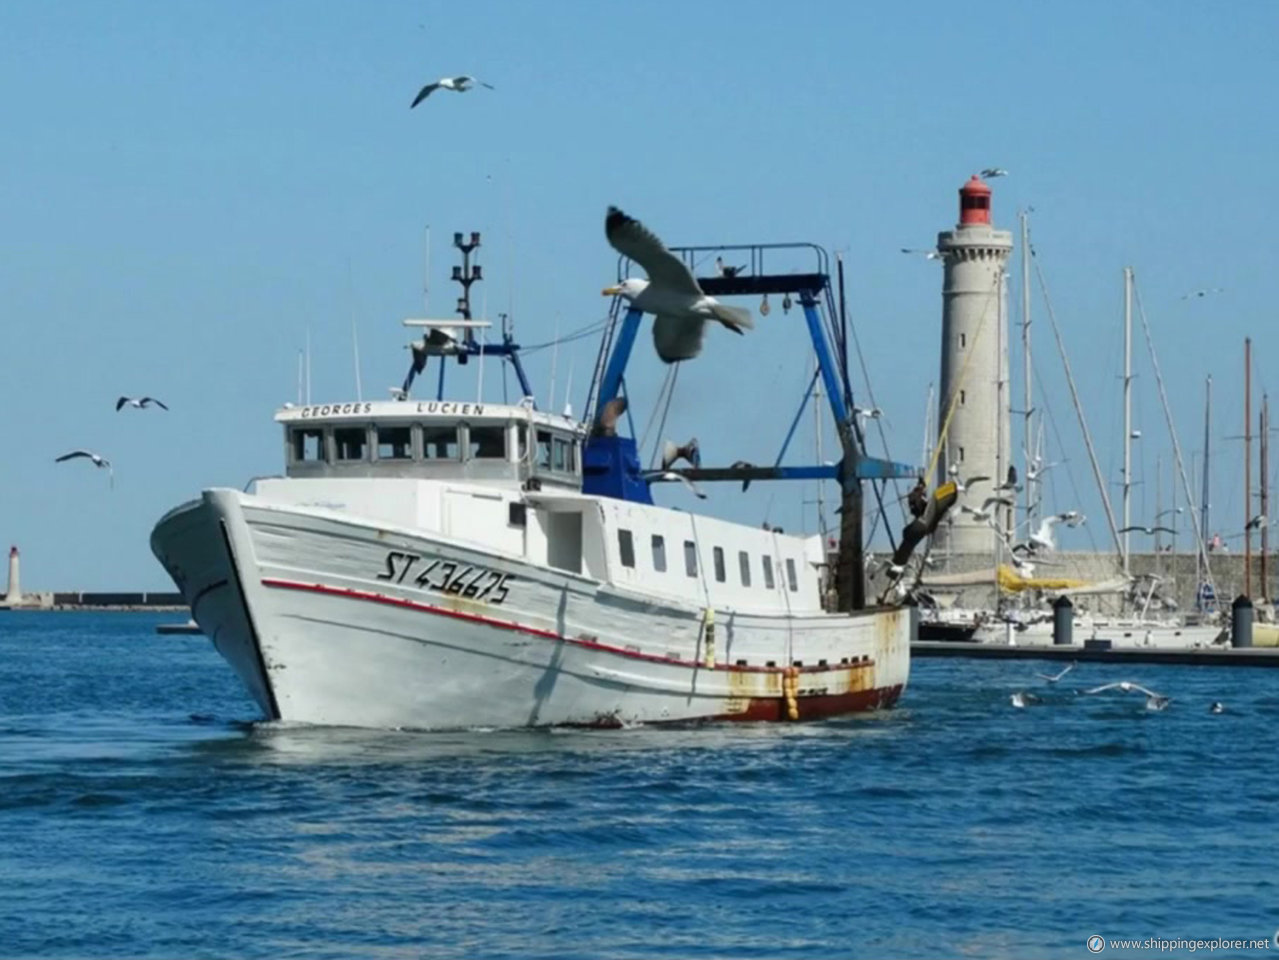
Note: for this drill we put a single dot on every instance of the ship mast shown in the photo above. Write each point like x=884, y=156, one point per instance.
x=1127, y=490
x=1265, y=497
x=1200, y=565
x=1247, y=466
x=1025, y=355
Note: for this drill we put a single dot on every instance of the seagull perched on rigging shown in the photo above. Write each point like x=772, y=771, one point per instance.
x=456, y=84
x=610, y=413
x=1154, y=701
x=1150, y=531
x=1056, y=677
x=140, y=402
x=991, y=172
x=670, y=292
x=743, y=465
x=689, y=451
x=724, y=270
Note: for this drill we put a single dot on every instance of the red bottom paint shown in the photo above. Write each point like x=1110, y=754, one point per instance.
x=773, y=709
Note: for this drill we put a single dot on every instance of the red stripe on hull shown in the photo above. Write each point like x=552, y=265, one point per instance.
x=866, y=662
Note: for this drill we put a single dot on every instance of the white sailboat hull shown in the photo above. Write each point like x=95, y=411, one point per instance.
x=326, y=620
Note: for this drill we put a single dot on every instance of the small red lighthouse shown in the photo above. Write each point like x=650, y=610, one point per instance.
x=974, y=203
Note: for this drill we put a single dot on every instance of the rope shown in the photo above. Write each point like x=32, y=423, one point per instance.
x=664, y=397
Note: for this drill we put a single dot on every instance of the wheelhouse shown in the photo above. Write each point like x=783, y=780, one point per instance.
x=442, y=440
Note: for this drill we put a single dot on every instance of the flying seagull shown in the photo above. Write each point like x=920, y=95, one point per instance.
x=1202, y=293
x=927, y=254
x=98, y=461
x=1151, y=531
x=1055, y=677
x=1154, y=701
x=963, y=485
x=990, y=172
x=670, y=476
x=1042, y=539
x=1256, y=523
x=690, y=452
x=456, y=84
x=871, y=413
x=139, y=402
x=670, y=292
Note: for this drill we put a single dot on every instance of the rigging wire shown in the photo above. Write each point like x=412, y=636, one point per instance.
x=1176, y=444
x=1079, y=410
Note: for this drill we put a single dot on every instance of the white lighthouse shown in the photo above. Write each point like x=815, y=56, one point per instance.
x=13, y=596
x=974, y=422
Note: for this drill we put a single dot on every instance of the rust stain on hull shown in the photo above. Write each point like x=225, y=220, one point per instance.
x=817, y=706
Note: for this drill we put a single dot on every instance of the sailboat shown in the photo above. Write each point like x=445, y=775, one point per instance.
x=1144, y=623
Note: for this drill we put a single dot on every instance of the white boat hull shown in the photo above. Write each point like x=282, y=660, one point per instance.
x=327, y=620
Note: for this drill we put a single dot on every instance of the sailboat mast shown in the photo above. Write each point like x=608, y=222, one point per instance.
x=1204, y=489
x=1247, y=466
x=1025, y=359
x=1127, y=412
x=1265, y=496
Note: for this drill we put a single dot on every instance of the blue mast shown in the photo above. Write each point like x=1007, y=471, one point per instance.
x=612, y=463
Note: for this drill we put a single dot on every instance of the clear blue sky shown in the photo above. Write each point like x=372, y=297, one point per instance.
x=185, y=189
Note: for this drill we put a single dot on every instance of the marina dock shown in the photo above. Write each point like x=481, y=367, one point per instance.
x=1088, y=653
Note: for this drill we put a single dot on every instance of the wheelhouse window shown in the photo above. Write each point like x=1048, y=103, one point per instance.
x=659, y=553
x=744, y=566
x=308, y=446
x=487, y=443
x=791, y=580
x=718, y=556
x=626, y=547
x=521, y=442
x=544, y=449
x=690, y=558
x=395, y=443
x=351, y=443
x=440, y=443
x=561, y=461
x=768, y=572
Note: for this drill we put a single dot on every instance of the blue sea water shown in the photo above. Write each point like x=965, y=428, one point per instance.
x=145, y=812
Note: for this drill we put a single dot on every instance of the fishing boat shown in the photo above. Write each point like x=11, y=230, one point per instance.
x=450, y=562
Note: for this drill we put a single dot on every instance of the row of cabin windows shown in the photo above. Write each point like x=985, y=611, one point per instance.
x=626, y=549
x=439, y=443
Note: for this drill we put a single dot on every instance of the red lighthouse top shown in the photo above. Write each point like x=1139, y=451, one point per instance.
x=974, y=202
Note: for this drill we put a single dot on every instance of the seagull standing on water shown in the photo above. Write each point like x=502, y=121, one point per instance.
x=1023, y=699
x=140, y=402
x=456, y=84
x=670, y=292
